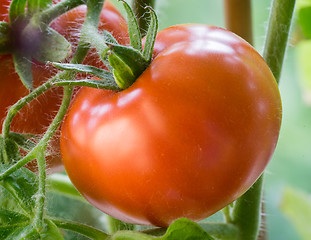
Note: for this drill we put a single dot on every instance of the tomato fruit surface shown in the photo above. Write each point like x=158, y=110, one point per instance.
x=190, y=136
x=38, y=114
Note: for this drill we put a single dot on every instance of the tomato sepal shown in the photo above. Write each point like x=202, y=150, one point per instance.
x=23, y=67
x=90, y=83
x=122, y=73
x=151, y=35
x=35, y=6
x=133, y=28
x=17, y=10
x=131, y=57
x=54, y=47
x=107, y=78
x=98, y=72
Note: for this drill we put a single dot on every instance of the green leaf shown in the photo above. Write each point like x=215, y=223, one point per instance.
x=50, y=231
x=23, y=68
x=10, y=221
x=187, y=230
x=20, y=228
x=5, y=38
x=303, y=52
x=34, y=6
x=24, y=233
x=296, y=205
x=17, y=9
x=8, y=216
x=151, y=36
x=9, y=151
x=17, y=204
x=17, y=191
x=54, y=47
x=27, y=232
x=133, y=28
x=23, y=140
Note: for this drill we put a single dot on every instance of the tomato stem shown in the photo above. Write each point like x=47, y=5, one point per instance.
x=20, y=104
x=93, y=11
x=238, y=18
x=48, y=15
x=227, y=214
x=246, y=212
x=40, y=197
x=277, y=35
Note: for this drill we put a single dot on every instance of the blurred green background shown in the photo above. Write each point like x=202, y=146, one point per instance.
x=291, y=164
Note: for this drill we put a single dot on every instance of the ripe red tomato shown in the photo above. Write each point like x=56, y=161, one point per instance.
x=190, y=136
x=36, y=116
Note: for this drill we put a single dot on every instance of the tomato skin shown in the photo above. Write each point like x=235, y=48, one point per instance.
x=190, y=136
x=38, y=114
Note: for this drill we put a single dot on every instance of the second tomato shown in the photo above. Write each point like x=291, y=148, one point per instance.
x=37, y=115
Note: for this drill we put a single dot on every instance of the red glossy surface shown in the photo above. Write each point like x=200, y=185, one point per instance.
x=191, y=135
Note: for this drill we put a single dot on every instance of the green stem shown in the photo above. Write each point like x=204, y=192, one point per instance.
x=92, y=17
x=246, y=212
x=40, y=197
x=40, y=150
x=20, y=104
x=227, y=214
x=277, y=35
x=95, y=38
x=30, y=156
x=52, y=128
x=142, y=14
x=58, y=9
x=82, y=229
